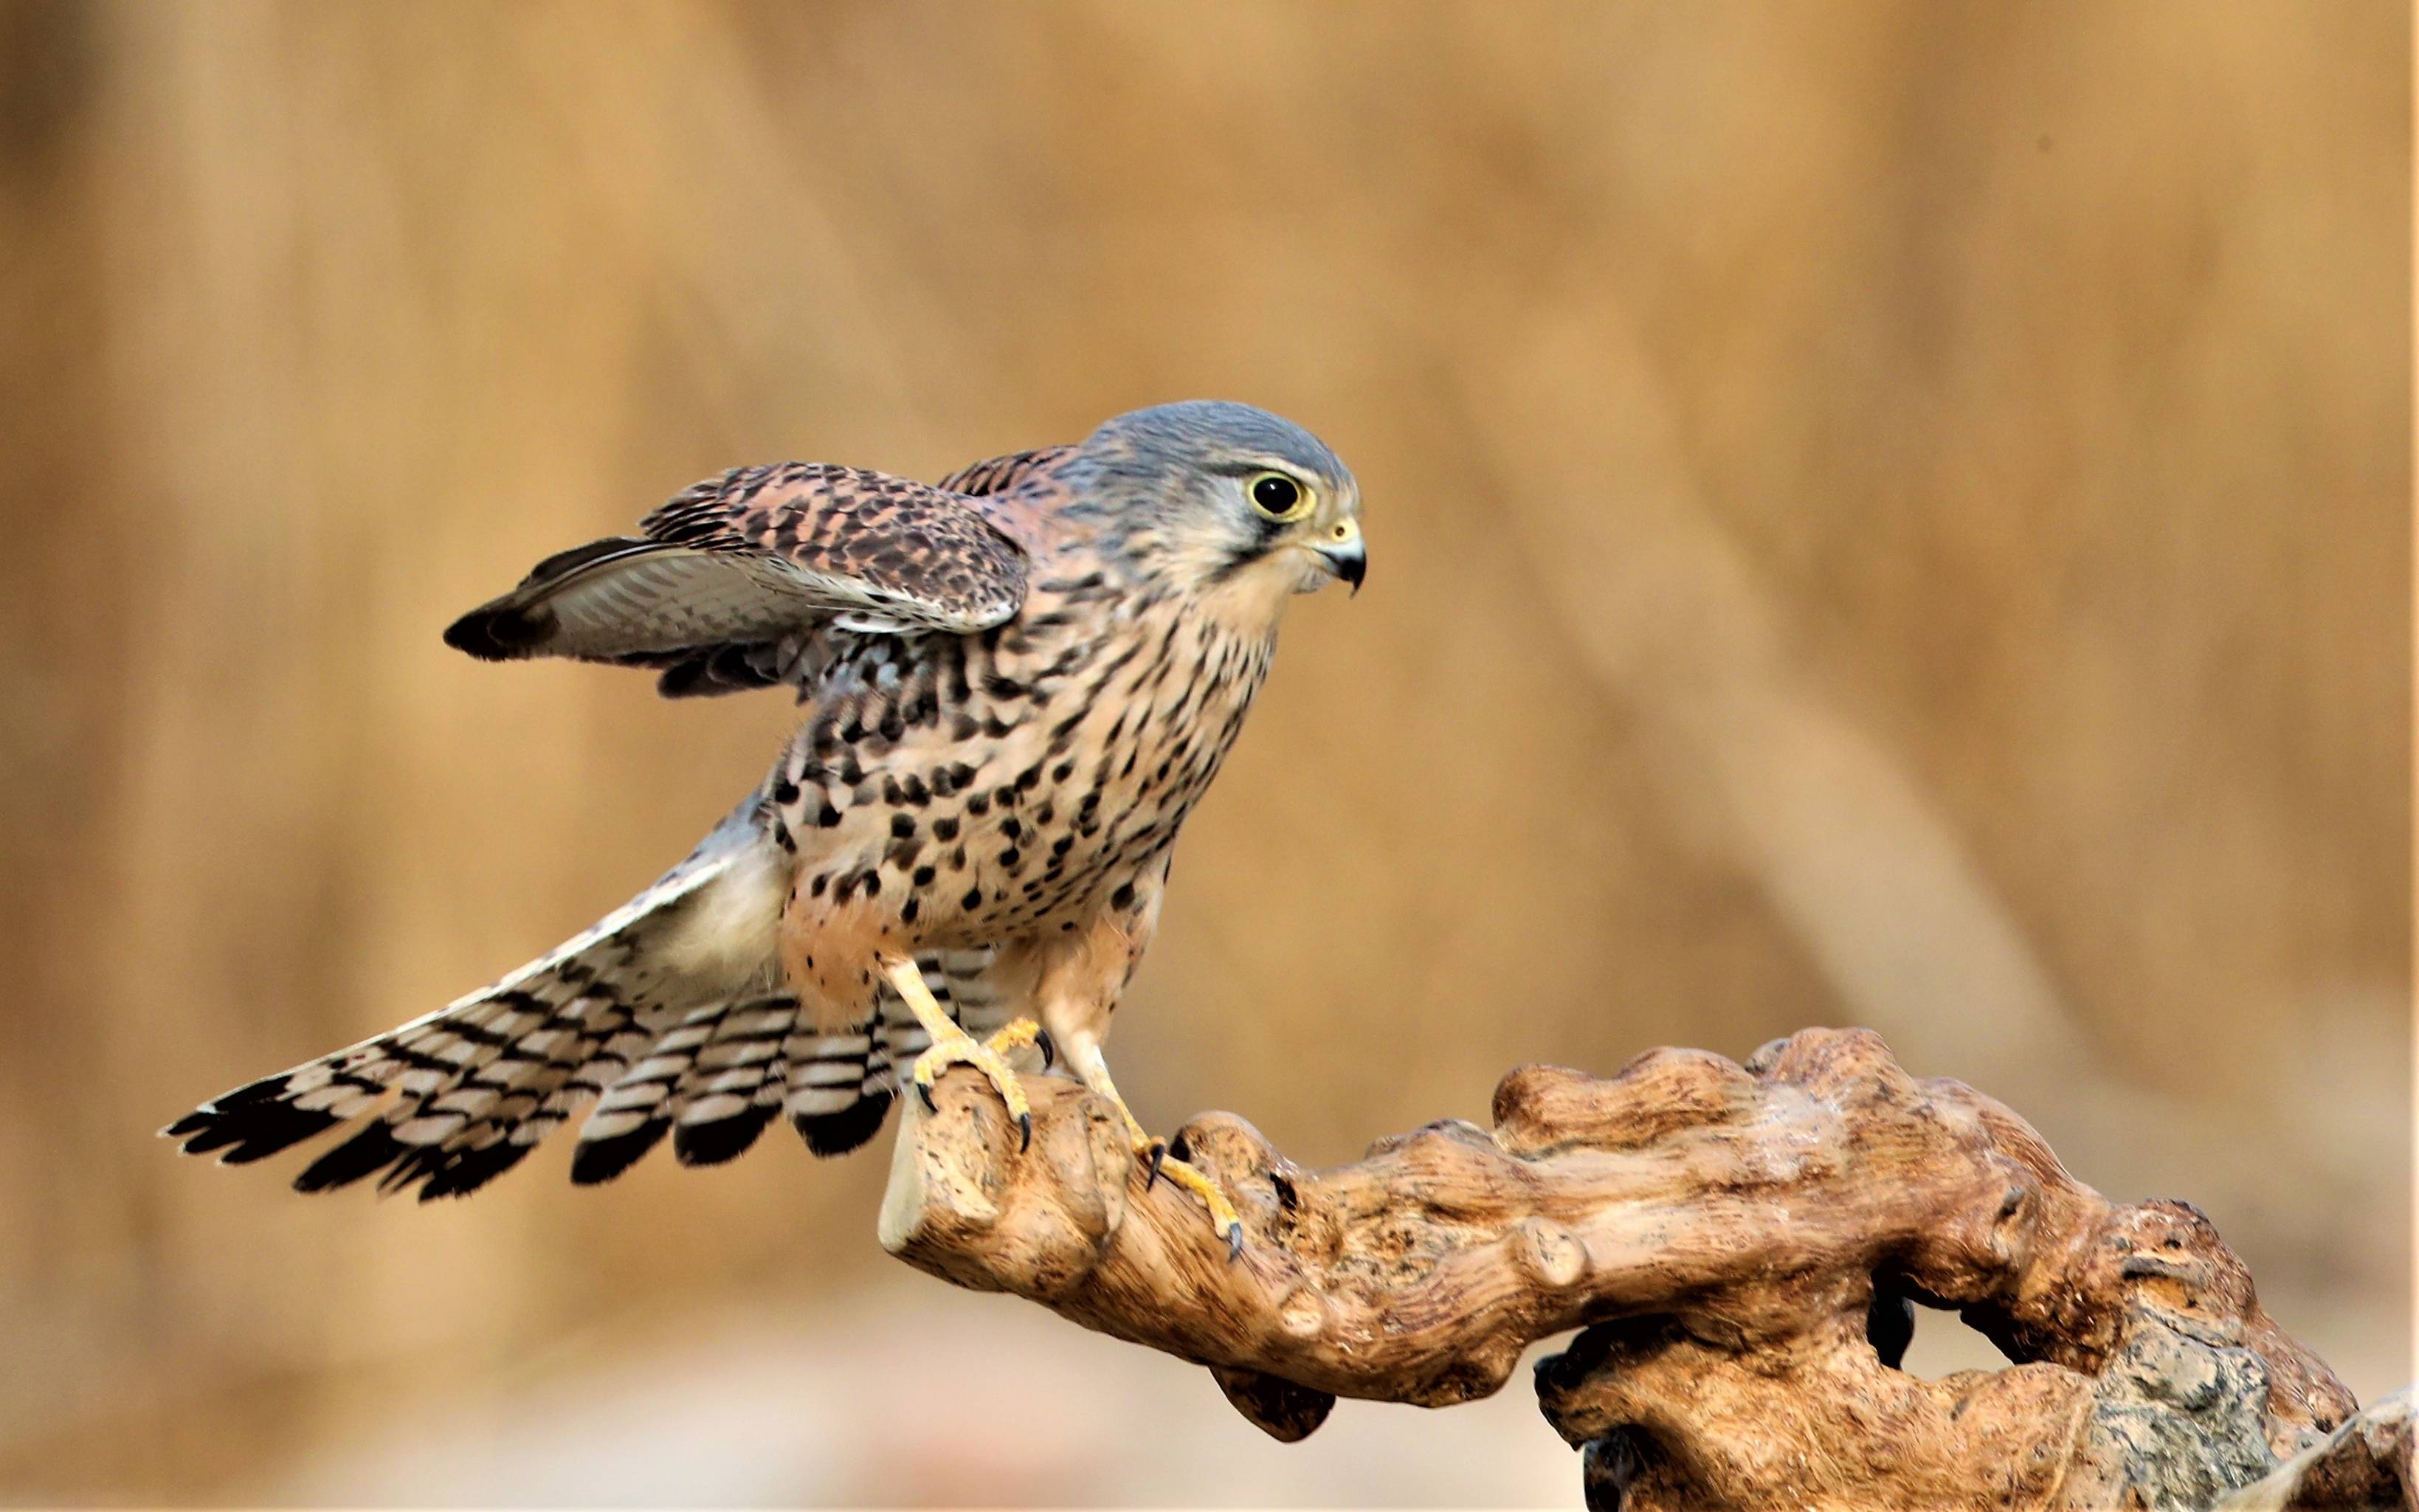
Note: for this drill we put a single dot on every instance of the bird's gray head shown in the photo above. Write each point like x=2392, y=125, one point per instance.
x=1228, y=498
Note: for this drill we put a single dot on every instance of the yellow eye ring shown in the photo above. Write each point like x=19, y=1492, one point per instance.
x=1279, y=496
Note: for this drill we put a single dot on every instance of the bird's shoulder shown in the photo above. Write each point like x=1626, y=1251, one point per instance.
x=997, y=475
x=896, y=536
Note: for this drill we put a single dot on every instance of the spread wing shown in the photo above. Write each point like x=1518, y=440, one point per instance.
x=729, y=584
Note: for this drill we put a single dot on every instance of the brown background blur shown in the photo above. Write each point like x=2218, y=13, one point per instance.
x=1891, y=514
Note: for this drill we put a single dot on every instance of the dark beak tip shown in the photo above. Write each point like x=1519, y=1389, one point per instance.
x=1348, y=560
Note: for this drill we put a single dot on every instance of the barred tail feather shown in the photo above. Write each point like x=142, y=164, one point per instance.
x=460, y=1096
x=842, y=1086
x=716, y=1080
x=733, y=1089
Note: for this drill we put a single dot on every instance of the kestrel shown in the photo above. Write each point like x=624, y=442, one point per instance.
x=1017, y=684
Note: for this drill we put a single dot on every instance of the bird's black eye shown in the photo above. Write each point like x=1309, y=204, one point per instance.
x=1276, y=496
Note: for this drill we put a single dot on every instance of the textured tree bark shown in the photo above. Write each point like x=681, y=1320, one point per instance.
x=1741, y=1247
x=2365, y=1463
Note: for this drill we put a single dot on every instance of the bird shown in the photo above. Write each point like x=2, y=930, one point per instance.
x=1016, y=684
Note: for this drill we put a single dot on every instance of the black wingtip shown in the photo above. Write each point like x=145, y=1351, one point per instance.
x=510, y=628
x=501, y=631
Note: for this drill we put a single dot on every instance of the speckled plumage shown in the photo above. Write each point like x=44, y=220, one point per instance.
x=1017, y=684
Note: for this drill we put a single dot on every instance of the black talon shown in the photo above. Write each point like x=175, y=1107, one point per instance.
x=1234, y=1243
x=926, y=1093
x=1024, y=1132
x=1048, y=1047
x=1158, y=1159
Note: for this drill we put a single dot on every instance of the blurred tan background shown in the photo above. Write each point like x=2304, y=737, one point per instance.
x=1883, y=513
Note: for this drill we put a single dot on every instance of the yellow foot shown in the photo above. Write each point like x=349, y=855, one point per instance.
x=1223, y=1219
x=1084, y=1056
x=1017, y=1033
x=956, y=1046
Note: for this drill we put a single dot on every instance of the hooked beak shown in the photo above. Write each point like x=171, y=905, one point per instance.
x=1344, y=554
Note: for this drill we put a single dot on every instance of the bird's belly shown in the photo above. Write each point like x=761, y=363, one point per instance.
x=961, y=845
x=1014, y=794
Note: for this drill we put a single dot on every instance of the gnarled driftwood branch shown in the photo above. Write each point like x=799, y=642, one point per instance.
x=1741, y=1247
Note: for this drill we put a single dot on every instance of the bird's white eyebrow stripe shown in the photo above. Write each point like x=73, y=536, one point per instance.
x=1267, y=464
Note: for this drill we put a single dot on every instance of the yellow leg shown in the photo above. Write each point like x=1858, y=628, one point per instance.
x=952, y=1045
x=1093, y=1072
